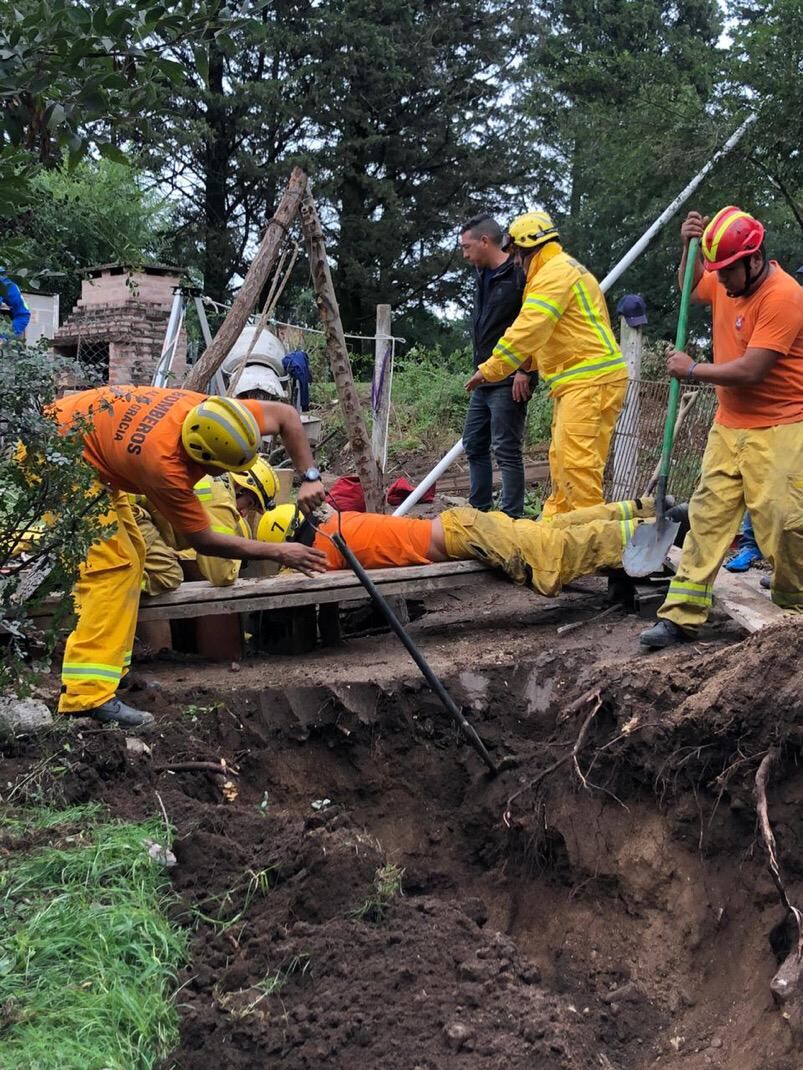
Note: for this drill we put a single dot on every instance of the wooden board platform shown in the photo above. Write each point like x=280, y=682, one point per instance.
x=742, y=597
x=278, y=592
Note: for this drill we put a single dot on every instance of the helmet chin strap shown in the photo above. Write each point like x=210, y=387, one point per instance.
x=750, y=278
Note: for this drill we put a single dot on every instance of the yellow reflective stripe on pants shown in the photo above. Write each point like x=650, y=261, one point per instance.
x=106, y=598
x=627, y=528
x=541, y=555
x=583, y=419
x=684, y=591
x=88, y=670
x=758, y=469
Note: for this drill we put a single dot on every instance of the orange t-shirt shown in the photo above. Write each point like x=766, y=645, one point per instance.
x=377, y=541
x=133, y=438
x=770, y=318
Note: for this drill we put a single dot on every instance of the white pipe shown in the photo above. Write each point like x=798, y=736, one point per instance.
x=170, y=341
x=616, y=272
x=427, y=482
x=670, y=209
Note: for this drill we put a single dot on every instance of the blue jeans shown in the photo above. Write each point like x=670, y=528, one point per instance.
x=495, y=421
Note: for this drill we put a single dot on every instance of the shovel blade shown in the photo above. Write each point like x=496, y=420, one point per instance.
x=645, y=552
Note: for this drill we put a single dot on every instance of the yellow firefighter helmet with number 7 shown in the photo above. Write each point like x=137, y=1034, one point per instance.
x=279, y=524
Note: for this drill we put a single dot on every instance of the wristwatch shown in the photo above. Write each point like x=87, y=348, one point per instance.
x=312, y=475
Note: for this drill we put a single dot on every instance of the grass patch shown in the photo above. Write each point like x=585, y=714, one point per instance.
x=387, y=885
x=429, y=404
x=87, y=958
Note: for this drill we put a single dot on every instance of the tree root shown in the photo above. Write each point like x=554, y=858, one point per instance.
x=767, y=835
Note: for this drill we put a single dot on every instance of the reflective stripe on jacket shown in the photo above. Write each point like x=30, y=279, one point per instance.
x=564, y=321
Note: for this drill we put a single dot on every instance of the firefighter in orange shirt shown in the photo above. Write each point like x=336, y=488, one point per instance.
x=160, y=442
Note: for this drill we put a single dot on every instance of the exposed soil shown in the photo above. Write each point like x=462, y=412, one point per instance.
x=617, y=913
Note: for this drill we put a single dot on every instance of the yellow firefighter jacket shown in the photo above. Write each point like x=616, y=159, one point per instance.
x=563, y=325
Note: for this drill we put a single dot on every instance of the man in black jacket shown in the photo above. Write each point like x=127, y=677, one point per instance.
x=497, y=411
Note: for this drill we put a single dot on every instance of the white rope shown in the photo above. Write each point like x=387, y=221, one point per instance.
x=311, y=330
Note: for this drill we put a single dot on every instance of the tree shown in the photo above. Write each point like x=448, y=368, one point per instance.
x=621, y=94
x=96, y=213
x=765, y=69
x=394, y=109
x=69, y=71
x=420, y=129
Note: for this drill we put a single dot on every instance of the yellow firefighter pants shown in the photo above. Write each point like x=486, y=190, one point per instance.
x=760, y=470
x=545, y=554
x=168, y=549
x=106, y=597
x=162, y=567
x=583, y=419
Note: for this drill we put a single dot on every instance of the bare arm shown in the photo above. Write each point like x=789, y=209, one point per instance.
x=751, y=368
x=305, y=559
x=283, y=420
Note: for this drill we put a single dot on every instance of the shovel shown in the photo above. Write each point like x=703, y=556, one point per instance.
x=446, y=699
x=645, y=552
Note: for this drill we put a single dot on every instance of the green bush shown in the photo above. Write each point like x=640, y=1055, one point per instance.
x=50, y=503
x=429, y=402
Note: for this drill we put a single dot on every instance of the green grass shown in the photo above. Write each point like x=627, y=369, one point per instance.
x=387, y=885
x=87, y=958
x=429, y=404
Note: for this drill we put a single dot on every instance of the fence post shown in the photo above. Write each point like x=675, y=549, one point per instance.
x=381, y=385
x=626, y=441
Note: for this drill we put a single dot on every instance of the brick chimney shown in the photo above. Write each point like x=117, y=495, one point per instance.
x=118, y=325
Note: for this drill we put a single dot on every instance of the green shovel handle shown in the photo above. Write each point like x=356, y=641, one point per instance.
x=680, y=342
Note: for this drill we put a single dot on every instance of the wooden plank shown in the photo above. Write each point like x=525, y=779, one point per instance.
x=279, y=599
x=742, y=597
x=198, y=599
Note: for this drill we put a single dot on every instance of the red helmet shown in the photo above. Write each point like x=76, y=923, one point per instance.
x=731, y=235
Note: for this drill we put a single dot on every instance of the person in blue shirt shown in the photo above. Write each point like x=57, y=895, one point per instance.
x=13, y=303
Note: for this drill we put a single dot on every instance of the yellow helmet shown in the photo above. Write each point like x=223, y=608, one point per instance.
x=279, y=524
x=530, y=230
x=221, y=433
x=261, y=480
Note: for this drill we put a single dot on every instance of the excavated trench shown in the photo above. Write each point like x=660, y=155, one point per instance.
x=362, y=893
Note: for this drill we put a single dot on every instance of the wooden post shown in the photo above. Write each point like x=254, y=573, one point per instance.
x=381, y=386
x=626, y=441
x=338, y=357
x=258, y=274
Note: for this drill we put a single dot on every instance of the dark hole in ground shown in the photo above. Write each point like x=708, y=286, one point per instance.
x=406, y=924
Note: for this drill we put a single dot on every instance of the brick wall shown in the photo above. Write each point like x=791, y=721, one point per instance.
x=125, y=315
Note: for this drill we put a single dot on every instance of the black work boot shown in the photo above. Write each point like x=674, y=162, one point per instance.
x=664, y=633
x=115, y=711
x=680, y=513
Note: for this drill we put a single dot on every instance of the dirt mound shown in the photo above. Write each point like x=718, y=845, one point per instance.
x=334, y=968
x=603, y=906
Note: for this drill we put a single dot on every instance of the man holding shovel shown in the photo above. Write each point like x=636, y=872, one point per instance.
x=754, y=456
